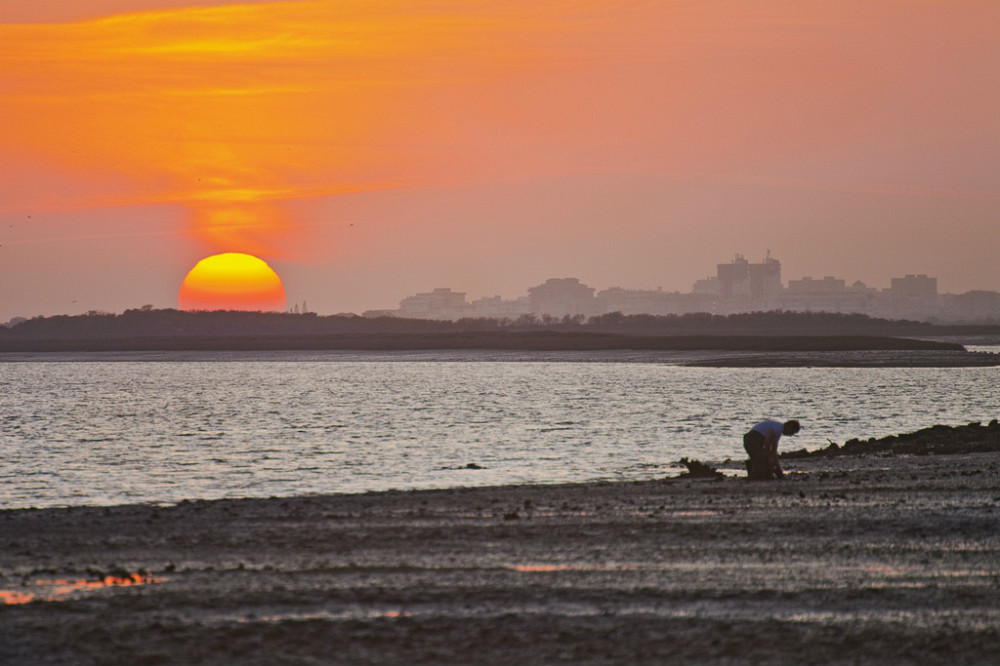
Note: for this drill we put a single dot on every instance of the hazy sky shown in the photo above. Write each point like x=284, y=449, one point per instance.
x=370, y=150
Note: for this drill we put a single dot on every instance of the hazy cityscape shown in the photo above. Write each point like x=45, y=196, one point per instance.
x=738, y=286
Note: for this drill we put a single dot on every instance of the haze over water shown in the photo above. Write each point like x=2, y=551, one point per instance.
x=93, y=433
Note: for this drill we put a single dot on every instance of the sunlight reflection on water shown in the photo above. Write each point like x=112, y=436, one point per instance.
x=130, y=431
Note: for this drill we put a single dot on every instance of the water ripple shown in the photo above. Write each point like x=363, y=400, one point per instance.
x=98, y=432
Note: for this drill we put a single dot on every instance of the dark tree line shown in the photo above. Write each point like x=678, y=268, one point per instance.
x=149, y=322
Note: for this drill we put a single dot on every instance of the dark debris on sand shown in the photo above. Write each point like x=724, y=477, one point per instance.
x=698, y=470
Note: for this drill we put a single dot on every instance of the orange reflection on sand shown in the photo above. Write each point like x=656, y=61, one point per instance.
x=10, y=598
x=58, y=589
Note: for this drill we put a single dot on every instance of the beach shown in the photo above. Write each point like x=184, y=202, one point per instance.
x=889, y=559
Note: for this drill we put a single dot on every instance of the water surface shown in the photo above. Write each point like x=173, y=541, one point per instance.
x=116, y=430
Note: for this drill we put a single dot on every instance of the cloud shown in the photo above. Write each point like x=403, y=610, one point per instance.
x=232, y=111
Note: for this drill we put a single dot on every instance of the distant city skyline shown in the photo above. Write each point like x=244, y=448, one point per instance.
x=738, y=286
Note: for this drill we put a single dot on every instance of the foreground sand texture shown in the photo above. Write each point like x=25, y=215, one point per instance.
x=853, y=560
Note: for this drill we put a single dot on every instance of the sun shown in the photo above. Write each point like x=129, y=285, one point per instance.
x=232, y=281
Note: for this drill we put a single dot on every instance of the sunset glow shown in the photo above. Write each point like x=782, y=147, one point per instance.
x=232, y=281
x=227, y=110
x=403, y=145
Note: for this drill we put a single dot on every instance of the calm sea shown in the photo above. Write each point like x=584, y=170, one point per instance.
x=94, y=429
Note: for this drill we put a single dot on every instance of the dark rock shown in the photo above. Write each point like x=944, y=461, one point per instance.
x=698, y=470
x=797, y=453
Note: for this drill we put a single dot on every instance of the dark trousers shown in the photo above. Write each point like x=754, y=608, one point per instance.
x=759, y=466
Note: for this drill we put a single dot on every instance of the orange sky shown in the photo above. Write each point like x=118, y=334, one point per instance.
x=368, y=150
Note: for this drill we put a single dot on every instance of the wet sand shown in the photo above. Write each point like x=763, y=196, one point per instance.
x=848, y=560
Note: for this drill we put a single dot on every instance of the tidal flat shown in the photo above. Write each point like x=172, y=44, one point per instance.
x=891, y=559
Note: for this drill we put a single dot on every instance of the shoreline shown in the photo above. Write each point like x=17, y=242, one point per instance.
x=682, y=357
x=810, y=569
x=935, y=440
x=543, y=340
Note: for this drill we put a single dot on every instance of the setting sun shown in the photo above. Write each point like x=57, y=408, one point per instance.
x=232, y=281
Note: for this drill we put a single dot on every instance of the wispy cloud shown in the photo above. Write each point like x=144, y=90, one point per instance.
x=232, y=110
x=227, y=110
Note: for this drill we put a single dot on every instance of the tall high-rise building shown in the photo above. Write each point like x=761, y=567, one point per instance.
x=746, y=285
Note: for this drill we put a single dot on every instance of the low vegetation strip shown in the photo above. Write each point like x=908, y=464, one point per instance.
x=147, y=322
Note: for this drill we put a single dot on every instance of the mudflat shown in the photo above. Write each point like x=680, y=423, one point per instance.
x=887, y=559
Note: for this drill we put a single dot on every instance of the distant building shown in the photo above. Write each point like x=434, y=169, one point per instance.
x=561, y=297
x=734, y=278
x=658, y=302
x=745, y=286
x=438, y=304
x=827, y=295
x=709, y=285
x=973, y=307
x=494, y=307
x=738, y=286
x=914, y=286
x=910, y=297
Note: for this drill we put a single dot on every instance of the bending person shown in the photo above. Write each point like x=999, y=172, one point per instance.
x=761, y=444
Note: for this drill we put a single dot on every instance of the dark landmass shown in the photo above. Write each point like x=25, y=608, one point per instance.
x=173, y=330
x=891, y=560
x=149, y=323
x=859, y=358
x=476, y=340
x=935, y=440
